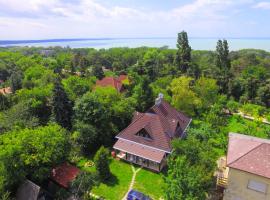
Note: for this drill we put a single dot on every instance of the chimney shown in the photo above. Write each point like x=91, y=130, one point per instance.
x=159, y=99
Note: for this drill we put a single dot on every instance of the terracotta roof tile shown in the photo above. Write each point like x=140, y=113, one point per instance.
x=249, y=154
x=121, y=78
x=64, y=174
x=160, y=122
x=110, y=81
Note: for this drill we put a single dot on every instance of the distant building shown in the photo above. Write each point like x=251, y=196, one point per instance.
x=6, y=90
x=248, y=160
x=116, y=83
x=147, y=140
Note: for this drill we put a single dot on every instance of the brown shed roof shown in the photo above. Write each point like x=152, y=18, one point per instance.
x=250, y=154
x=162, y=122
x=64, y=174
x=139, y=150
x=110, y=82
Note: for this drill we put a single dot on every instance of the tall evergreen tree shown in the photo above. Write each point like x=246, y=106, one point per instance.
x=101, y=160
x=145, y=96
x=16, y=81
x=223, y=63
x=62, y=106
x=183, y=56
x=98, y=72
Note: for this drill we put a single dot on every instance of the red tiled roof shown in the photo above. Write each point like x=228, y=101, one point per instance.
x=139, y=150
x=110, y=81
x=5, y=91
x=249, y=154
x=64, y=174
x=161, y=122
x=121, y=78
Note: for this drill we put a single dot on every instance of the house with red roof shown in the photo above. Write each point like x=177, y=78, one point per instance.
x=116, y=83
x=248, y=162
x=147, y=140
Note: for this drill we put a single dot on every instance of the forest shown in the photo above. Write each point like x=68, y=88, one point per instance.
x=55, y=113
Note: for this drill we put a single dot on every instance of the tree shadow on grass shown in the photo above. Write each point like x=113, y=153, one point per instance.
x=113, y=180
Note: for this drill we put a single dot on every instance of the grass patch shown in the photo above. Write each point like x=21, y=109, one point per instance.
x=117, y=186
x=150, y=183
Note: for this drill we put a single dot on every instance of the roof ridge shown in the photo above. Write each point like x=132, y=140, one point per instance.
x=245, y=154
x=249, y=137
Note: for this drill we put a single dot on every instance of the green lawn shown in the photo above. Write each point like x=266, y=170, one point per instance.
x=116, y=188
x=149, y=183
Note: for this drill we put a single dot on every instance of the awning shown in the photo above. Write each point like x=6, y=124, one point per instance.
x=139, y=150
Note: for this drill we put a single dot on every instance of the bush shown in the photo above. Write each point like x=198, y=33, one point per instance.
x=101, y=160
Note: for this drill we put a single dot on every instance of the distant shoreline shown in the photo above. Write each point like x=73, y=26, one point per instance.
x=121, y=38
x=197, y=43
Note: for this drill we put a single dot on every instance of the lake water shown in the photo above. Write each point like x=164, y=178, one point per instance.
x=196, y=43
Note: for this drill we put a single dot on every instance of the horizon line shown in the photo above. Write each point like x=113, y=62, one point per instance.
x=121, y=38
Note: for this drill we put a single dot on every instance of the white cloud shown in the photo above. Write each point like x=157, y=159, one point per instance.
x=89, y=18
x=262, y=5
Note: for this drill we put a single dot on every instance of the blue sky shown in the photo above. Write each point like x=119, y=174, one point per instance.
x=42, y=19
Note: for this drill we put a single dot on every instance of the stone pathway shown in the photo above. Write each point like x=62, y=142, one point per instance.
x=132, y=180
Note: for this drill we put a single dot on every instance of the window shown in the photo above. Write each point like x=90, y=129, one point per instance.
x=257, y=186
x=143, y=133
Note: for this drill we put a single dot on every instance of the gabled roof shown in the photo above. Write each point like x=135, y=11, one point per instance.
x=250, y=154
x=160, y=122
x=28, y=191
x=64, y=174
x=110, y=82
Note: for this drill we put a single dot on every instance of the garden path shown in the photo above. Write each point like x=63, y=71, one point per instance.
x=132, y=180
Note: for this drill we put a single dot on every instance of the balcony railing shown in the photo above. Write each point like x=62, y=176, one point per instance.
x=222, y=173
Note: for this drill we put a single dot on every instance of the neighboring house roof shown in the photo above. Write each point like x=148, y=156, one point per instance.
x=250, y=154
x=28, y=191
x=139, y=150
x=122, y=77
x=161, y=122
x=110, y=81
x=64, y=174
x=5, y=91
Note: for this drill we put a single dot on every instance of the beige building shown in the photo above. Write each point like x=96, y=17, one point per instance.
x=248, y=162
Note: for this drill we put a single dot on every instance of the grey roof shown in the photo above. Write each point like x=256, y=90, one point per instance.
x=28, y=191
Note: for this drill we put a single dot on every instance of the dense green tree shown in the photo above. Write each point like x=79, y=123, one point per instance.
x=101, y=160
x=83, y=184
x=183, y=96
x=31, y=153
x=207, y=90
x=16, y=81
x=182, y=183
x=86, y=137
x=62, y=106
x=77, y=86
x=18, y=116
x=183, y=56
x=4, y=102
x=223, y=63
x=144, y=95
x=97, y=71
